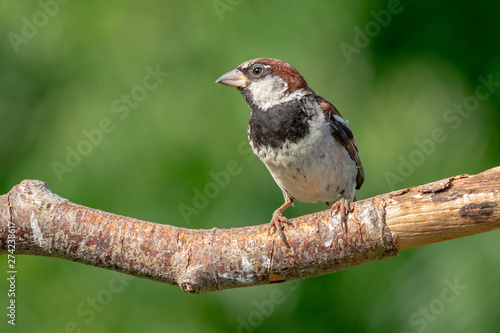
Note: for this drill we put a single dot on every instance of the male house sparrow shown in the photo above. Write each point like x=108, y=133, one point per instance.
x=301, y=137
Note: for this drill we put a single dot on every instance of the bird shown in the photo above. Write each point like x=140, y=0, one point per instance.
x=301, y=138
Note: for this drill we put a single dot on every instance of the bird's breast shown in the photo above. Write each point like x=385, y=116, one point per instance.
x=302, y=155
x=286, y=122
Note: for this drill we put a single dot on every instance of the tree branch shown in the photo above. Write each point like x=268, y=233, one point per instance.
x=39, y=222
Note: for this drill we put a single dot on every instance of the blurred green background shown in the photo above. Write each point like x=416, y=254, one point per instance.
x=400, y=72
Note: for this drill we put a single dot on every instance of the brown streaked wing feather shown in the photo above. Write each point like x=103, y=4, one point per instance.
x=345, y=137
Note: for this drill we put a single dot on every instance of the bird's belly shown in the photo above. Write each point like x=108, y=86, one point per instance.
x=314, y=169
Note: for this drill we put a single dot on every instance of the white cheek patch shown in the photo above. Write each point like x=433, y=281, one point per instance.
x=270, y=91
x=267, y=91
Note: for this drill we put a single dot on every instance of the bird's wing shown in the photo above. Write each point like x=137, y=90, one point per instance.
x=342, y=133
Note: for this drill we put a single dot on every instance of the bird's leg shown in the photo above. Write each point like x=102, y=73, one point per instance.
x=342, y=205
x=278, y=219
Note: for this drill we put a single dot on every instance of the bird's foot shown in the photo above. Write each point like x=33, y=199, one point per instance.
x=342, y=205
x=278, y=222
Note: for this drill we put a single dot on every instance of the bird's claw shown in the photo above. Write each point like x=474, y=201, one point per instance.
x=277, y=224
x=342, y=205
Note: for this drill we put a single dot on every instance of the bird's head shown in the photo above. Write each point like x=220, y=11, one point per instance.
x=265, y=82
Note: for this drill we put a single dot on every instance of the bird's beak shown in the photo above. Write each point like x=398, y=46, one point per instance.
x=234, y=78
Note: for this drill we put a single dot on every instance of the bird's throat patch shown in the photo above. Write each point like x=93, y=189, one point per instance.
x=282, y=122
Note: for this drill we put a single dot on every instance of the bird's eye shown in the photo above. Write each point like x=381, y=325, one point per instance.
x=257, y=71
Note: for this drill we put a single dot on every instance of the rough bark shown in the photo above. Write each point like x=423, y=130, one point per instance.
x=42, y=223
